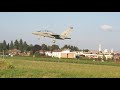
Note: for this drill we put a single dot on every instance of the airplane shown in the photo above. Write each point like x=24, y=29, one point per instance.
x=49, y=34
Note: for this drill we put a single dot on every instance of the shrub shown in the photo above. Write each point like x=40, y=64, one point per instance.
x=5, y=65
x=10, y=67
x=37, y=54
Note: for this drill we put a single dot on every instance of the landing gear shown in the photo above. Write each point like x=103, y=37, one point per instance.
x=53, y=41
x=39, y=37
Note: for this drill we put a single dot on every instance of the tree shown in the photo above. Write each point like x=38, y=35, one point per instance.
x=1, y=47
x=16, y=44
x=71, y=48
x=11, y=45
x=85, y=50
x=55, y=47
x=68, y=47
x=44, y=47
x=29, y=48
x=8, y=46
x=49, y=48
x=64, y=47
x=4, y=45
x=25, y=46
x=21, y=45
x=36, y=48
x=75, y=48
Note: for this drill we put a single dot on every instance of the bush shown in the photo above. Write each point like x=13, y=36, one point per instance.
x=37, y=54
x=10, y=67
x=5, y=65
x=42, y=54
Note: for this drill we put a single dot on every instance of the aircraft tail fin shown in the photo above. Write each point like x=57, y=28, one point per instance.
x=67, y=32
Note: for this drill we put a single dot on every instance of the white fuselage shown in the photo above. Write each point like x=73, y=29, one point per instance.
x=44, y=34
x=62, y=36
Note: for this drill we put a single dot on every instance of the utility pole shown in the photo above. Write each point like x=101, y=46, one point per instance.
x=33, y=57
x=3, y=54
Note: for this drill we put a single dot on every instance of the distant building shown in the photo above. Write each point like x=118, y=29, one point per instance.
x=62, y=54
x=112, y=50
x=14, y=52
x=100, y=48
x=116, y=56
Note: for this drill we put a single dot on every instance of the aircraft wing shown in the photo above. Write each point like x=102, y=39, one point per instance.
x=56, y=36
x=59, y=37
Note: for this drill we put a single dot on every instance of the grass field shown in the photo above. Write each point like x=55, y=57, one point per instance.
x=27, y=67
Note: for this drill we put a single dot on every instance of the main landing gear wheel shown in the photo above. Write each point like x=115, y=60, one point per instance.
x=53, y=41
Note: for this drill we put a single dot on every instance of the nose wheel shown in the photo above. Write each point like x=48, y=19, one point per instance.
x=54, y=41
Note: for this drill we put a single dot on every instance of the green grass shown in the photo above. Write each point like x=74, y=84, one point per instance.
x=80, y=61
x=26, y=67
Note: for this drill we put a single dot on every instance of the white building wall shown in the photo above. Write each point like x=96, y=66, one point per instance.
x=106, y=56
x=56, y=54
x=48, y=53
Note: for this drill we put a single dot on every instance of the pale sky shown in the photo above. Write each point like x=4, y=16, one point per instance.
x=90, y=28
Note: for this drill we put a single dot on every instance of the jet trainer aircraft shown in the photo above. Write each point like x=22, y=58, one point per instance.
x=62, y=36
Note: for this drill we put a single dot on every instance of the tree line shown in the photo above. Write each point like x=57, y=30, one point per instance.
x=19, y=45
x=24, y=47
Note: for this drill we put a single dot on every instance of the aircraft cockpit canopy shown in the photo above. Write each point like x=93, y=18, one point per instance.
x=44, y=31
